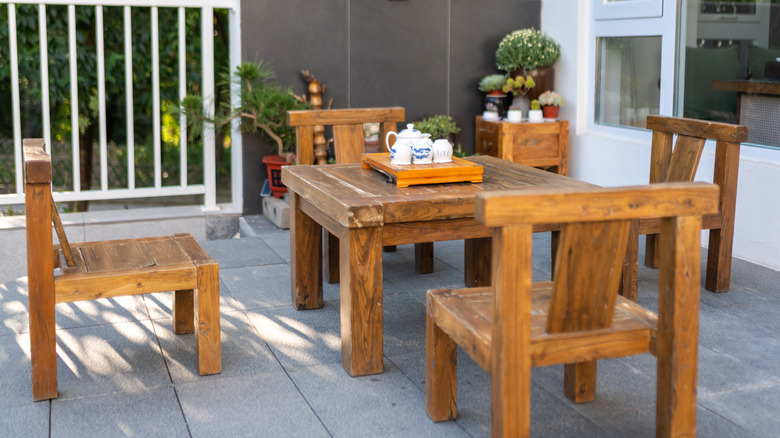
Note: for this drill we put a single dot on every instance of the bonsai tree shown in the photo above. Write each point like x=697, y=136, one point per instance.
x=494, y=82
x=262, y=109
x=525, y=50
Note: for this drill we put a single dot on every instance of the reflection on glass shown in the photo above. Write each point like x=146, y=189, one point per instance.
x=738, y=44
x=628, y=72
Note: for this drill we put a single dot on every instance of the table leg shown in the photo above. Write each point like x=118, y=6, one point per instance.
x=331, y=258
x=361, y=301
x=423, y=257
x=305, y=258
x=477, y=265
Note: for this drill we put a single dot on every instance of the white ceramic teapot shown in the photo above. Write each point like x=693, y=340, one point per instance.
x=409, y=138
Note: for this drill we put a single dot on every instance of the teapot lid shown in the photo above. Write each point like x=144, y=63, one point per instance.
x=410, y=132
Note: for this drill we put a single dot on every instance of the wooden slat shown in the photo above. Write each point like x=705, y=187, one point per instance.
x=349, y=142
x=345, y=116
x=64, y=244
x=194, y=252
x=81, y=287
x=587, y=275
x=304, y=145
x=436, y=231
x=453, y=312
x=37, y=164
x=540, y=205
x=685, y=159
x=698, y=128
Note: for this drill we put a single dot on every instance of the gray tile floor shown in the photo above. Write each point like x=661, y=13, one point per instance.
x=123, y=372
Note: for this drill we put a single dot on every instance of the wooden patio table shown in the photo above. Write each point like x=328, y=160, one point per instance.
x=366, y=212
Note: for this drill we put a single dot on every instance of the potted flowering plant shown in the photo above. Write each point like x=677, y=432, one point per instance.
x=529, y=52
x=551, y=103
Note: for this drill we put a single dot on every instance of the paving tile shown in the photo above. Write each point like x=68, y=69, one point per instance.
x=265, y=404
x=641, y=423
x=29, y=420
x=237, y=253
x=740, y=339
x=760, y=279
x=13, y=308
x=257, y=287
x=764, y=314
x=619, y=388
x=386, y=404
x=159, y=304
x=300, y=338
x=110, y=358
x=15, y=380
x=404, y=324
x=102, y=311
x=153, y=412
x=754, y=409
x=717, y=373
x=243, y=352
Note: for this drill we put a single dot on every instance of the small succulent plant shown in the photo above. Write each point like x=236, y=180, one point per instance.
x=551, y=98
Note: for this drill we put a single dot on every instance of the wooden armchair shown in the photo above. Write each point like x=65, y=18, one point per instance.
x=349, y=143
x=679, y=164
x=578, y=317
x=93, y=270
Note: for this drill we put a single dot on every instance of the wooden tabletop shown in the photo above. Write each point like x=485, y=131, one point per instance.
x=356, y=197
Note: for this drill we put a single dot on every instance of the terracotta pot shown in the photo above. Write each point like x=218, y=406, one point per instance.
x=544, y=78
x=274, y=165
x=550, y=111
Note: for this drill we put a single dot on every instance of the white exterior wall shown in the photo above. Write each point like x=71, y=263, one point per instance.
x=614, y=161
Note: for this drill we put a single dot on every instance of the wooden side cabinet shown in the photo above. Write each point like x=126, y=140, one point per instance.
x=544, y=144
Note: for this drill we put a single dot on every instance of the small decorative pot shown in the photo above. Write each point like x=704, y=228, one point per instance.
x=535, y=116
x=514, y=116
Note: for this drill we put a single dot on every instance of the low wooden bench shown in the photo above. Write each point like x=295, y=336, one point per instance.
x=106, y=269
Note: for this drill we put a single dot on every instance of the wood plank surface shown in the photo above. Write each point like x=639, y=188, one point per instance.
x=346, y=116
x=698, y=128
x=305, y=258
x=80, y=287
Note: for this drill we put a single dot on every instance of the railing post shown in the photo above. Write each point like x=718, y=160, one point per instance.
x=236, y=140
x=209, y=140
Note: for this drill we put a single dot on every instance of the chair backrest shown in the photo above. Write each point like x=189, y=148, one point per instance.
x=594, y=231
x=347, y=125
x=40, y=210
x=679, y=164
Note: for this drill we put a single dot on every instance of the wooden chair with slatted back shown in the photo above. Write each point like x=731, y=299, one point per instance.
x=349, y=146
x=577, y=318
x=106, y=269
x=679, y=164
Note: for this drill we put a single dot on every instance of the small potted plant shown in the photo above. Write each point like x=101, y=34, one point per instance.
x=529, y=52
x=535, y=113
x=495, y=98
x=551, y=103
x=262, y=110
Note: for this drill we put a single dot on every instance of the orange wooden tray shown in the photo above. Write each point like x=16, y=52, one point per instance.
x=459, y=170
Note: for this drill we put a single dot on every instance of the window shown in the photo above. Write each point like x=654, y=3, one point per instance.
x=628, y=79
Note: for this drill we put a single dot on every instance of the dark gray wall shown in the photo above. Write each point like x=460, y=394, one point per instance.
x=424, y=55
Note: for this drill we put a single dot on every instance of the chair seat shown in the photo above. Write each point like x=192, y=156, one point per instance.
x=128, y=267
x=466, y=315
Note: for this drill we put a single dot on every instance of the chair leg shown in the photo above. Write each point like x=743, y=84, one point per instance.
x=651, y=251
x=208, y=343
x=183, y=311
x=579, y=381
x=477, y=264
x=441, y=373
x=43, y=344
x=423, y=257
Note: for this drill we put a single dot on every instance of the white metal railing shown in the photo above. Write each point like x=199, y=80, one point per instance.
x=208, y=188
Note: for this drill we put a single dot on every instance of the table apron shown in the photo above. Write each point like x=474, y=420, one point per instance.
x=403, y=233
x=326, y=221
